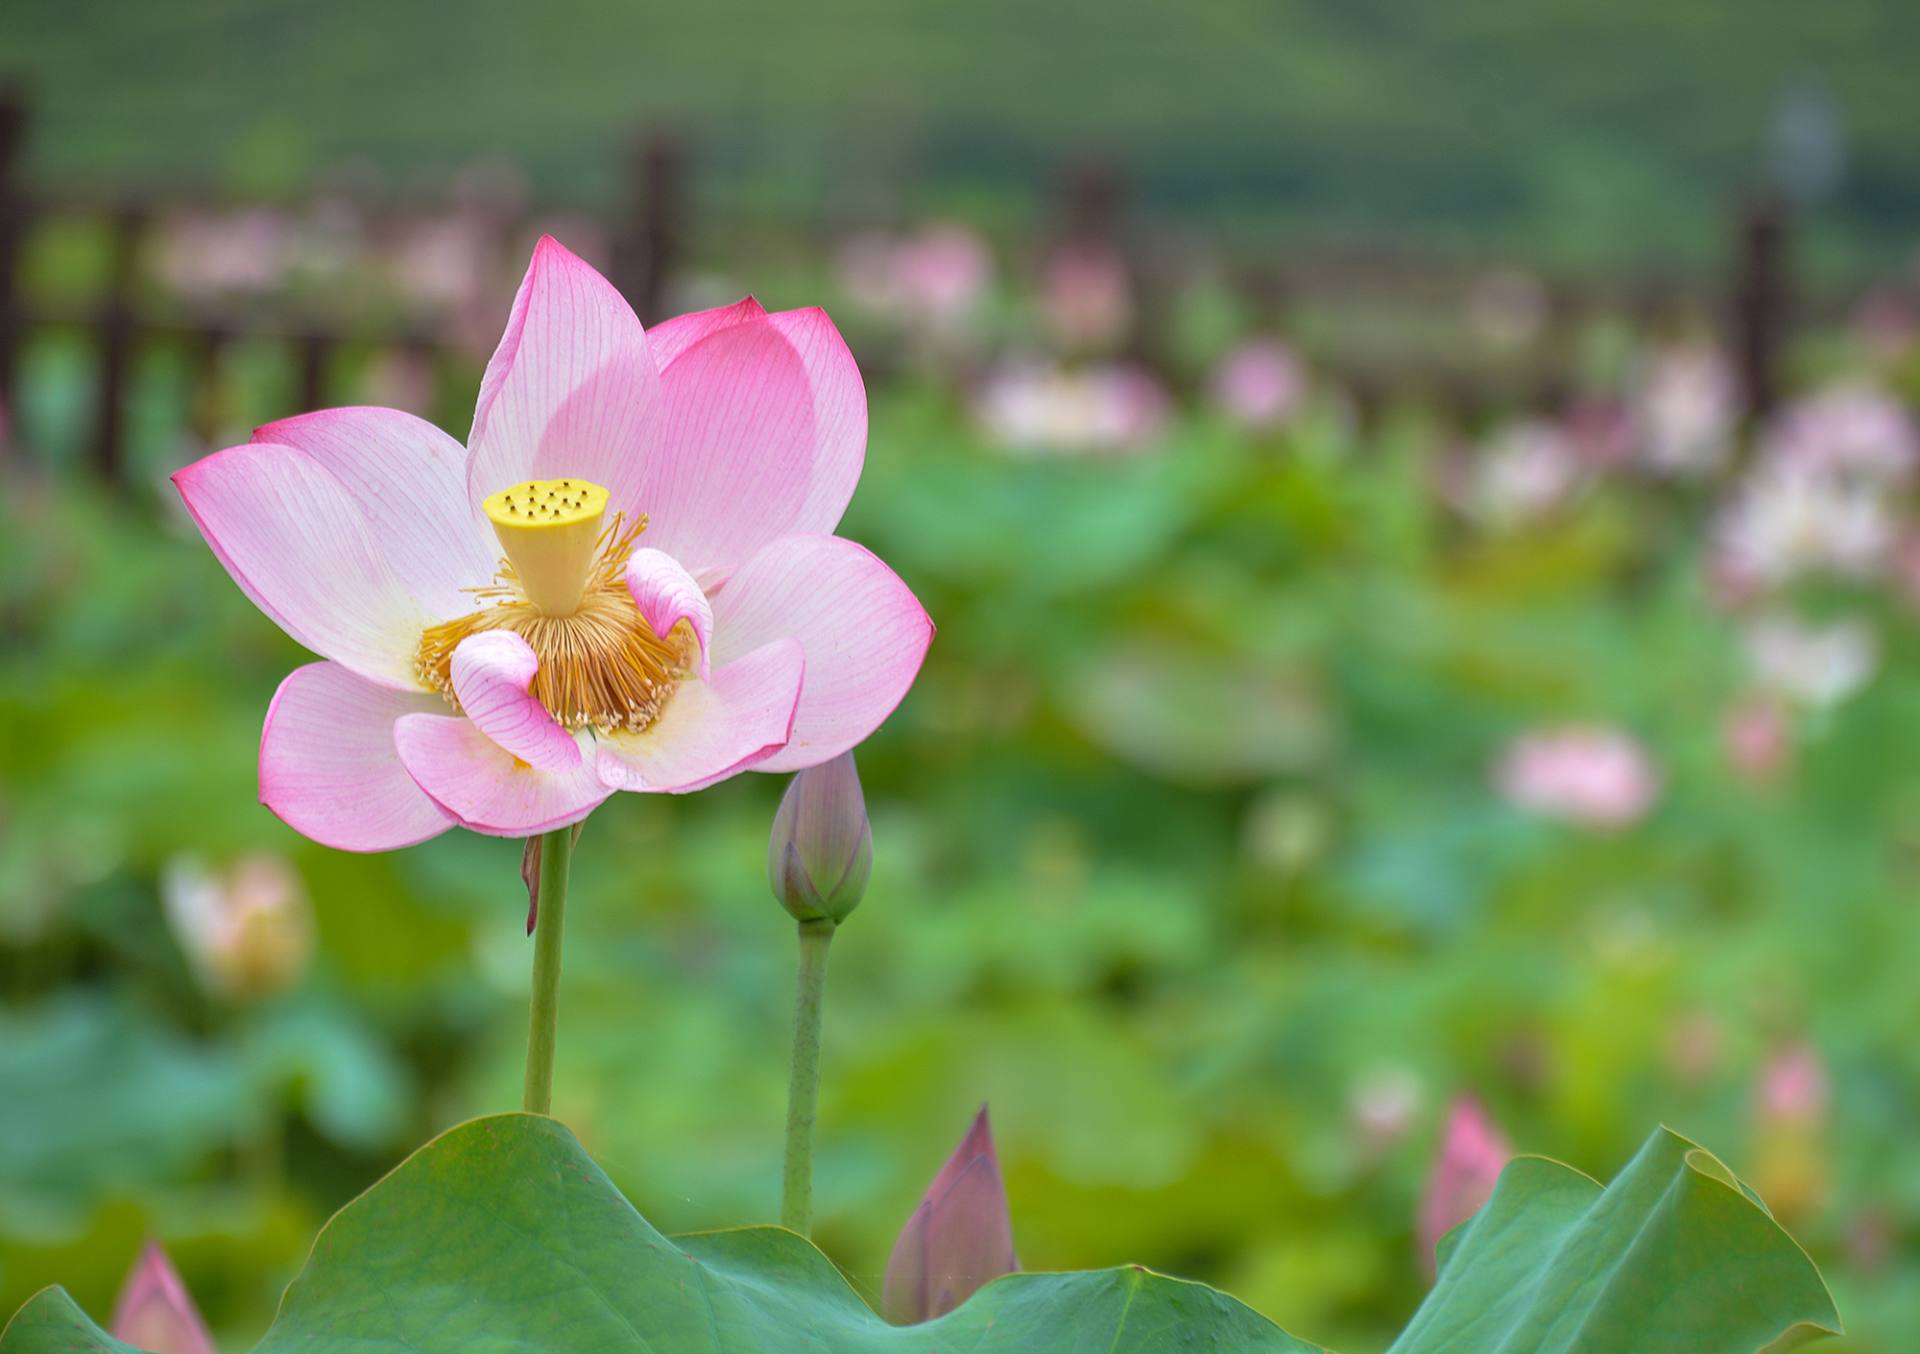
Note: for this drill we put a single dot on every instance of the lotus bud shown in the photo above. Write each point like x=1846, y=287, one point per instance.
x=821, y=854
x=155, y=1312
x=1472, y=1154
x=247, y=930
x=1791, y=1168
x=959, y=1238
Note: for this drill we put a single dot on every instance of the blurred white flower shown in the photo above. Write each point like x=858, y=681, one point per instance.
x=1685, y=404
x=1383, y=1107
x=1524, y=469
x=1594, y=777
x=1045, y=408
x=1786, y=521
x=1816, y=665
x=247, y=930
x=1260, y=384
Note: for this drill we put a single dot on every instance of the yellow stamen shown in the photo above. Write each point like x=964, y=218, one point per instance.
x=601, y=665
x=549, y=529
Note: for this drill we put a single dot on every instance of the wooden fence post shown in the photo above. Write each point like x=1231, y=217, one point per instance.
x=646, y=249
x=312, y=351
x=1762, y=300
x=13, y=232
x=116, y=344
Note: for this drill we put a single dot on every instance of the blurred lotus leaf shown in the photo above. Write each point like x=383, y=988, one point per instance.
x=1199, y=719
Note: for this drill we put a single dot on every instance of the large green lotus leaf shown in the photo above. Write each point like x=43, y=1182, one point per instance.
x=503, y=1235
x=1674, y=1257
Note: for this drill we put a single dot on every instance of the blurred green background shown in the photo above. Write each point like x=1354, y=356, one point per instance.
x=1205, y=851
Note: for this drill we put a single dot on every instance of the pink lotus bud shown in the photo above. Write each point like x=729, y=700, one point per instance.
x=1472, y=1153
x=1758, y=738
x=821, y=853
x=248, y=929
x=154, y=1311
x=959, y=1238
x=1791, y=1159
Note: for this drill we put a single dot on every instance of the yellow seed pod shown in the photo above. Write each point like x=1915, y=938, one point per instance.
x=548, y=529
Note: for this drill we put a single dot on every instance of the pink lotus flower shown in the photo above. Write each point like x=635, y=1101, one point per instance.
x=1595, y=777
x=512, y=697
x=1472, y=1154
x=1260, y=384
x=155, y=1312
x=959, y=1238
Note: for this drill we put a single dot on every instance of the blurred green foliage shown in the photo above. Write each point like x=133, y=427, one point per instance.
x=1187, y=860
x=1586, y=130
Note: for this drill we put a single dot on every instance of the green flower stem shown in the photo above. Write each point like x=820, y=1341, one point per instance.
x=556, y=856
x=803, y=1093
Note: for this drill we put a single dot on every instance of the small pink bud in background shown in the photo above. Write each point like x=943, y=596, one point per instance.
x=959, y=1238
x=247, y=930
x=821, y=853
x=1260, y=384
x=1758, y=739
x=1472, y=1153
x=1790, y=1161
x=155, y=1313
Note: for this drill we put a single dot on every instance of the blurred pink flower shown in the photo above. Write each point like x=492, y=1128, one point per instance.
x=1793, y=1085
x=1595, y=777
x=1758, y=738
x=155, y=1312
x=959, y=1238
x=1086, y=297
x=1846, y=430
x=1790, y=1154
x=1686, y=404
x=1045, y=408
x=1473, y=1151
x=1260, y=384
x=207, y=255
x=446, y=263
x=247, y=930
x=589, y=662
x=941, y=272
x=1885, y=325
x=932, y=280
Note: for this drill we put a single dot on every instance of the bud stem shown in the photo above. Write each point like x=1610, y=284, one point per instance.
x=803, y=1092
x=556, y=856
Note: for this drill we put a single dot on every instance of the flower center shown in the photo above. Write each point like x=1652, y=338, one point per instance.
x=563, y=589
x=549, y=529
